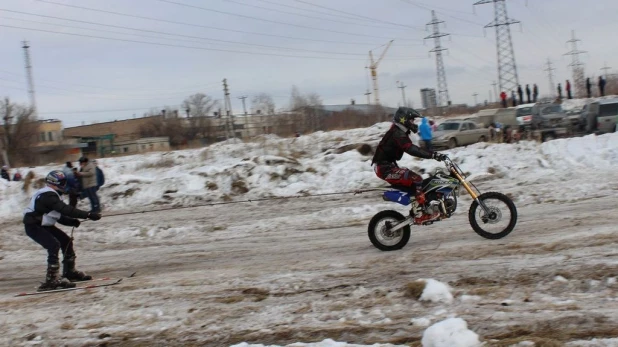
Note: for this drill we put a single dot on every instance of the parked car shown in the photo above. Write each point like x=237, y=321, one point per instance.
x=453, y=133
x=523, y=113
x=601, y=116
x=547, y=115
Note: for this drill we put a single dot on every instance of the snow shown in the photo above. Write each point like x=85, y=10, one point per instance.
x=301, y=272
x=452, y=332
x=276, y=167
x=436, y=291
x=324, y=343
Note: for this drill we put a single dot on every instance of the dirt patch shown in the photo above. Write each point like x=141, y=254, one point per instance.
x=127, y=193
x=161, y=163
x=239, y=187
x=415, y=289
x=212, y=186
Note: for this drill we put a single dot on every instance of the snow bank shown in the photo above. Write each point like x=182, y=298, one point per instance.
x=436, y=291
x=452, y=332
x=327, y=162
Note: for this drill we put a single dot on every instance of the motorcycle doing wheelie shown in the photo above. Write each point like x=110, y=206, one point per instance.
x=492, y=215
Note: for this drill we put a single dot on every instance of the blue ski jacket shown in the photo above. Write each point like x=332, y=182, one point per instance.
x=424, y=130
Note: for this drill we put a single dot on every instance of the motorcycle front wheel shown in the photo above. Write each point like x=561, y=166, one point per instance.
x=381, y=236
x=499, y=219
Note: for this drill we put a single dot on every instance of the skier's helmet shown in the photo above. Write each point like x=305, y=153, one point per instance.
x=405, y=116
x=57, y=179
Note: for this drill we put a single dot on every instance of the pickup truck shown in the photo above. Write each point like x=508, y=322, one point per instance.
x=453, y=133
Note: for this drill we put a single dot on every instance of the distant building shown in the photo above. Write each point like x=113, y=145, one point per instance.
x=428, y=98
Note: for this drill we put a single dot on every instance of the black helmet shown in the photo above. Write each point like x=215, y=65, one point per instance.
x=83, y=160
x=57, y=179
x=405, y=116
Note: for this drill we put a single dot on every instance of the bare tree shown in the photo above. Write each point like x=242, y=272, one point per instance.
x=264, y=103
x=310, y=107
x=199, y=105
x=19, y=132
x=165, y=122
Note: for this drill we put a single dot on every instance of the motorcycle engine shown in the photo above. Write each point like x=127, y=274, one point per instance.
x=451, y=205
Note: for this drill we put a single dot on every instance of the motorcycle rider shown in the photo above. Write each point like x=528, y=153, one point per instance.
x=40, y=217
x=395, y=142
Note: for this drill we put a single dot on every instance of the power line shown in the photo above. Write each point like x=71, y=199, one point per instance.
x=202, y=26
x=164, y=33
x=359, y=16
x=443, y=97
x=269, y=20
x=426, y=7
x=312, y=17
x=310, y=10
x=181, y=46
x=576, y=65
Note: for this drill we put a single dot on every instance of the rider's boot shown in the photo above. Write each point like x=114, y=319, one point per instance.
x=420, y=217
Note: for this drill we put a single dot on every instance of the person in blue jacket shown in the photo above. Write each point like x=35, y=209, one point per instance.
x=424, y=131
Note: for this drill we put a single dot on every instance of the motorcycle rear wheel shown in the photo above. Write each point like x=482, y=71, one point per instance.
x=381, y=237
x=493, y=217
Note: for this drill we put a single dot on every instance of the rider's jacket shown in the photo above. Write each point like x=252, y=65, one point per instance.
x=392, y=146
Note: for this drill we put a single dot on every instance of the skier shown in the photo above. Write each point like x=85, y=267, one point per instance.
x=40, y=217
x=395, y=142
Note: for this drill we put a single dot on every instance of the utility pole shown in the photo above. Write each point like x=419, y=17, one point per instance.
x=30, y=80
x=443, y=97
x=508, y=79
x=496, y=94
x=579, y=79
x=373, y=66
x=401, y=86
x=474, y=95
x=550, y=76
x=244, y=108
x=229, y=121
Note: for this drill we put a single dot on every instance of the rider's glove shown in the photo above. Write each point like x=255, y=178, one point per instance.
x=94, y=216
x=439, y=156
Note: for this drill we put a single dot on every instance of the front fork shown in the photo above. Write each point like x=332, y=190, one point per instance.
x=470, y=191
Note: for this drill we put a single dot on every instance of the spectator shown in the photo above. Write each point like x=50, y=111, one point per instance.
x=424, y=131
x=602, y=85
x=100, y=175
x=513, y=98
x=588, y=87
x=68, y=170
x=503, y=98
x=535, y=93
x=5, y=173
x=87, y=173
x=520, y=92
x=528, y=93
x=559, y=92
x=568, y=90
x=434, y=126
x=17, y=177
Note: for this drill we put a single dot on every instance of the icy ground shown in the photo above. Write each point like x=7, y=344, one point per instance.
x=303, y=270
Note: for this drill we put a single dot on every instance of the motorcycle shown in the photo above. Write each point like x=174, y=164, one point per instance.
x=389, y=230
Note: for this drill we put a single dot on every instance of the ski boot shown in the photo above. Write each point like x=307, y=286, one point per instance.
x=52, y=281
x=70, y=273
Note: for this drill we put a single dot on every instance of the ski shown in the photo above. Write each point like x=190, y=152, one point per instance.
x=103, y=279
x=71, y=289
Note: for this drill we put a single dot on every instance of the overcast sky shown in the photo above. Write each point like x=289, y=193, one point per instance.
x=274, y=44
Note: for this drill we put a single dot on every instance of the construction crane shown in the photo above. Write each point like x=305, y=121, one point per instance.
x=373, y=66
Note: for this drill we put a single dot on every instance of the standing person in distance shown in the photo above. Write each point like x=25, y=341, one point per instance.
x=88, y=174
x=425, y=133
x=40, y=217
x=395, y=142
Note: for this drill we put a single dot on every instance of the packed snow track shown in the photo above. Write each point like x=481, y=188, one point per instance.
x=304, y=270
